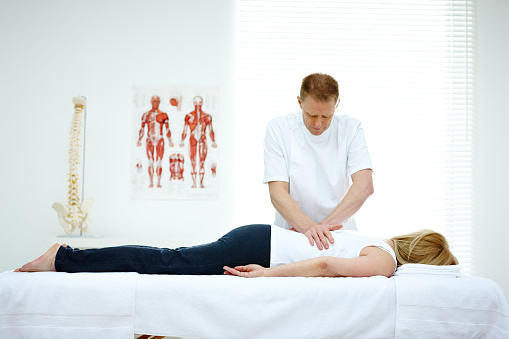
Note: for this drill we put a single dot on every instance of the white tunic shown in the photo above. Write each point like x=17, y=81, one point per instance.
x=317, y=168
x=288, y=246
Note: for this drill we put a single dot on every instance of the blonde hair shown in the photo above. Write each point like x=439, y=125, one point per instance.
x=423, y=247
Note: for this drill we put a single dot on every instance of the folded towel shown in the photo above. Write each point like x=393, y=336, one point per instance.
x=452, y=271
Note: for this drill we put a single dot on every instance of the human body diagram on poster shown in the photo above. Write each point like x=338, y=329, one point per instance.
x=162, y=168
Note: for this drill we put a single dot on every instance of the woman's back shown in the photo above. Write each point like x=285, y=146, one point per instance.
x=288, y=246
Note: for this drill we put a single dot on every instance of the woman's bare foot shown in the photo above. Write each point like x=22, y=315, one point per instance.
x=45, y=263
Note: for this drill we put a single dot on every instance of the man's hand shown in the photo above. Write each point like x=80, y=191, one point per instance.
x=248, y=271
x=321, y=235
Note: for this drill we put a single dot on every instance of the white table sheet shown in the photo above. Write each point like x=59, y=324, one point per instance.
x=117, y=305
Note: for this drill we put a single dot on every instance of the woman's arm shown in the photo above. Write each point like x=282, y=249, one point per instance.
x=373, y=261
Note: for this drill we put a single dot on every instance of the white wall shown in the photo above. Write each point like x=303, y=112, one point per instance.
x=491, y=258
x=53, y=50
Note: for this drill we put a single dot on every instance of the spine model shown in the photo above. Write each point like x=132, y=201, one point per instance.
x=75, y=214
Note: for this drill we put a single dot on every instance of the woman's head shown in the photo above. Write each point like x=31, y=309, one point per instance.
x=423, y=247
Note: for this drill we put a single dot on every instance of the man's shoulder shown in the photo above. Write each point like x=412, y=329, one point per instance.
x=162, y=117
x=286, y=122
x=207, y=117
x=148, y=115
x=346, y=121
x=281, y=118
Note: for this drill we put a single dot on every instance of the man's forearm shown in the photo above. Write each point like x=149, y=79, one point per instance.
x=288, y=208
x=358, y=193
x=293, y=214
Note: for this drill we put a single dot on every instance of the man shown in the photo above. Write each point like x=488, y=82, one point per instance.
x=156, y=121
x=310, y=158
x=198, y=121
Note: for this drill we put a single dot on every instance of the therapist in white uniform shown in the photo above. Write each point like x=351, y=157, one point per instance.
x=317, y=164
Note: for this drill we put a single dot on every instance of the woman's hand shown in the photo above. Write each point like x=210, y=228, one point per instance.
x=248, y=271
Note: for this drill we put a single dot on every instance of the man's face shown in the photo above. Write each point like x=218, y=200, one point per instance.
x=198, y=101
x=317, y=115
x=155, y=102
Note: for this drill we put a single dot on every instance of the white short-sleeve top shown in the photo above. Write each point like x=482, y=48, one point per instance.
x=317, y=168
x=288, y=246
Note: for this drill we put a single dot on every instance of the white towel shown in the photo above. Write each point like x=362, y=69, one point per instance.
x=233, y=307
x=67, y=305
x=430, y=306
x=452, y=271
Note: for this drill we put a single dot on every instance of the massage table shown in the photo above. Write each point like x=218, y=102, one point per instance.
x=419, y=301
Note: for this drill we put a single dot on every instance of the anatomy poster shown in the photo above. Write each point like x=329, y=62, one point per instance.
x=175, y=148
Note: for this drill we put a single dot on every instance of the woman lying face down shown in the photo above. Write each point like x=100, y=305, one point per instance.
x=258, y=251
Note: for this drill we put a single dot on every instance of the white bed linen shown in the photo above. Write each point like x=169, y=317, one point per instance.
x=63, y=305
x=432, y=306
x=117, y=305
x=233, y=307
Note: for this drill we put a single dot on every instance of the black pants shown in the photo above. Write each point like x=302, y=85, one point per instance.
x=244, y=245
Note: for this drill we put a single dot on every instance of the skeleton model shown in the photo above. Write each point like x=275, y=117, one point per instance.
x=75, y=214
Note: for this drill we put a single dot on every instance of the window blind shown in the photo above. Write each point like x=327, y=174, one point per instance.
x=404, y=68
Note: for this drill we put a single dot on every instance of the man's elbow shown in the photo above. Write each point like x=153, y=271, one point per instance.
x=363, y=182
x=276, y=190
x=273, y=196
x=367, y=189
x=370, y=189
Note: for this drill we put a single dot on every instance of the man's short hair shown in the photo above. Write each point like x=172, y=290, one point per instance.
x=320, y=86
